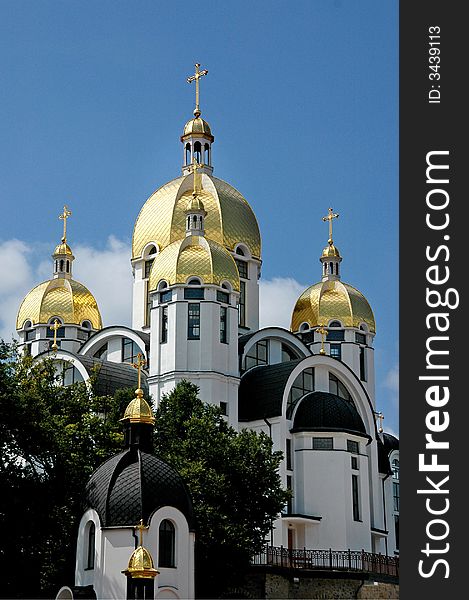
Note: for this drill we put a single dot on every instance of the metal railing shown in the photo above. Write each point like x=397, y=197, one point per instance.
x=329, y=560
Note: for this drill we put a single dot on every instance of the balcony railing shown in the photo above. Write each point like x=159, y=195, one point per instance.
x=329, y=560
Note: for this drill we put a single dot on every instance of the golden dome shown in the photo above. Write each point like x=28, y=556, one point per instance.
x=63, y=248
x=138, y=410
x=197, y=127
x=330, y=250
x=329, y=300
x=64, y=298
x=194, y=256
x=230, y=220
x=141, y=564
x=195, y=204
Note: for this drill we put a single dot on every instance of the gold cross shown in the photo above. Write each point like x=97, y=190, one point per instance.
x=380, y=417
x=57, y=325
x=64, y=216
x=330, y=216
x=198, y=74
x=323, y=331
x=195, y=166
x=141, y=528
x=138, y=365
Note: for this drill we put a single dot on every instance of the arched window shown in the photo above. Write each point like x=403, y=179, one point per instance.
x=331, y=265
x=194, y=281
x=239, y=251
x=198, y=152
x=188, y=154
x=68, y=266
x=90, y=546
x=61, y=264
x=303, y=384
x=335, y=324
x=206, y=154
x=167, y=545
x=395, y=469
x=304, y=327
x=86, y=324
x=338, y=388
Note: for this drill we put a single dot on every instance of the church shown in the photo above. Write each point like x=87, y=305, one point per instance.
x=196, y=263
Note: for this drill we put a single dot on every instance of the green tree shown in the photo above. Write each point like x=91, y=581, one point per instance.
x=51, y=439
x=233, y=480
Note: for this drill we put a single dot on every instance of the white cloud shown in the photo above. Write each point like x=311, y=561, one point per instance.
x=107, y=274
x=277, y=298
x=16, y=276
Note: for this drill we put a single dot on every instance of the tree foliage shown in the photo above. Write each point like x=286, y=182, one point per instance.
x=233, y=480
x=51, y=439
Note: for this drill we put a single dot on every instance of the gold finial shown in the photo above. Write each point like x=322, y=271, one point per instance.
x=323, y=331
x=330, y=216
x=138, y=365
x=57, y=325
x=64, y=216
x=198, y=74
x=380, y=417
x=141, y=528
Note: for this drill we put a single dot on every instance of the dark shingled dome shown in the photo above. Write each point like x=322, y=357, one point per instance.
x=132, y=485
x=390, y=442
x=321, y=411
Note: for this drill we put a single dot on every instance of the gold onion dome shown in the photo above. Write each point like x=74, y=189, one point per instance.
x=230, y=219
x=138, y=410
x=331, y=250
x=64, y=298
x=194, y=256
x=195, y=204
x=63, y=248
x=141, y=564
x=197, y=128
x=332, y=300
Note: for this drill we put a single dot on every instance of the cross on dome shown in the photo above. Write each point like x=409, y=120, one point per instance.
x=197, y=75
x=332, y=215
x=55, y=327
x=141, y=528
x=64, y=216
x=139, y=365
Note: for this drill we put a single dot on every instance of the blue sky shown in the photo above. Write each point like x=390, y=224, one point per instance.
x=302, y=97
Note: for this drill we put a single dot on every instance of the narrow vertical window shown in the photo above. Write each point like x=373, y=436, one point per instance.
x=362, y=364
x=167, y=545
x=147, y=305
x=193, y=324
x=164, y=324
x=355, y=498
x=223, y=324
x=90, y=547
x=242, y=304
x=290, y=500
x=288, y=454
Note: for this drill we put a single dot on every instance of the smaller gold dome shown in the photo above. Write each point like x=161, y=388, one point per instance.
x=197, y=127
x=330, y=250
x=195, y=204
x=329, y=300
x=194, y=256
x=64, y=298
x=63, y=248
x=138, y=410
x=141, y=565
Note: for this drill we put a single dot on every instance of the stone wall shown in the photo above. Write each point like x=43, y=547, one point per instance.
x=276, y=586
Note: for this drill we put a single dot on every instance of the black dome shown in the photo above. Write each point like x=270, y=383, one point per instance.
x=132, y=485
x=321, y=411
x=390, y=442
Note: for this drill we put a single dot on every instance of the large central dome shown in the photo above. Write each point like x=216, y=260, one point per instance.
x=230, y=220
